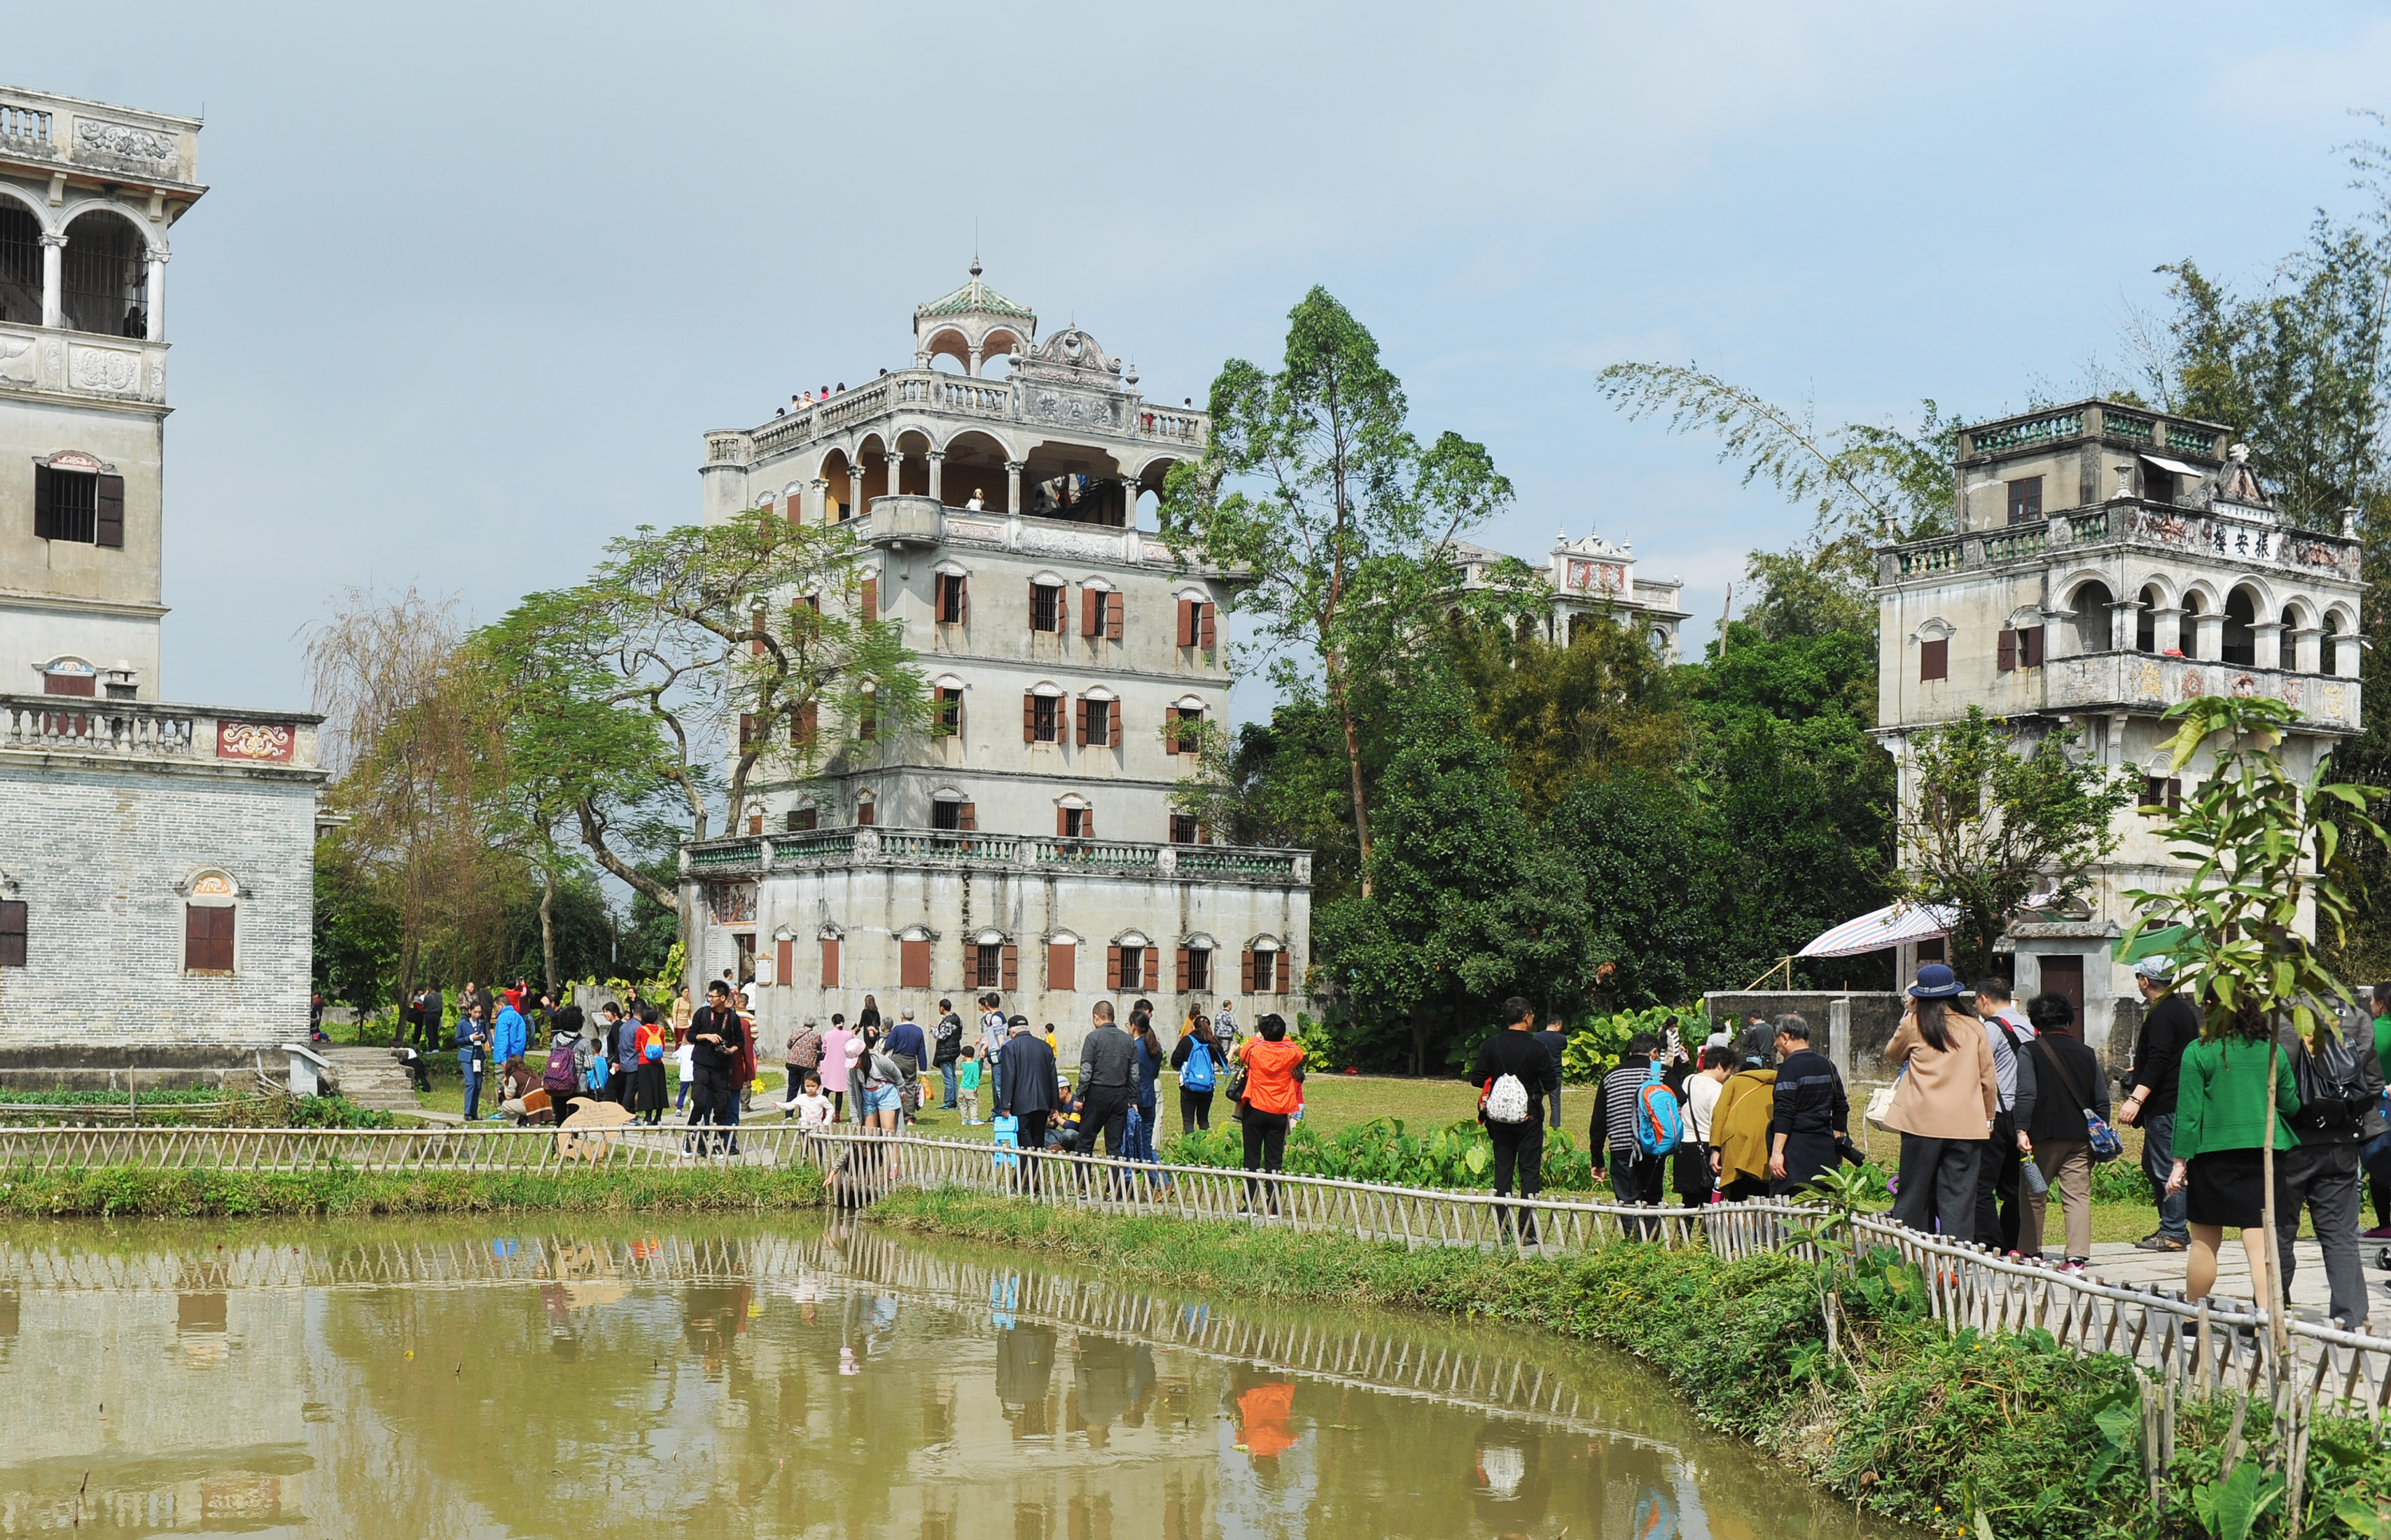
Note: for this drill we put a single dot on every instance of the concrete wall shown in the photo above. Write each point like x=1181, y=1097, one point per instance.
x=870, y=907
x=1861, y=1023
x=97, y=852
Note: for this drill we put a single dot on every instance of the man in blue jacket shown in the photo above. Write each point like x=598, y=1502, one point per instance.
x=508, y=1036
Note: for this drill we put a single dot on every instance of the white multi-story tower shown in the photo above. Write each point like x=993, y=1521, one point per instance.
x=156, y=861
x=1033, y=847
x=2111, y=561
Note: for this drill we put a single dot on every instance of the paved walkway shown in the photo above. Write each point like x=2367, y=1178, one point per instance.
x=2118, y=1262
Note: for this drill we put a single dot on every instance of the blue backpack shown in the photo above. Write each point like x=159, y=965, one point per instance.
x=1198, y=1074
x=1660, y=1128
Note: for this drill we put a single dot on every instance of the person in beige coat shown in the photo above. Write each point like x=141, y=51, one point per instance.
x=1943, y=1106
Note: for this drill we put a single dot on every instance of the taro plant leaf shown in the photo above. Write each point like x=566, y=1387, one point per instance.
x=2118, y=1415
x=2366, y=1516
x=2230, y=1508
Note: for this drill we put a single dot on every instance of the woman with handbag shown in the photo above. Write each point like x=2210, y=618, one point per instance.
x=1943, y=1106
x=2059, y=1137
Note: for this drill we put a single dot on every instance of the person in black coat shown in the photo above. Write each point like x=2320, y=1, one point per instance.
x=1025, y=1083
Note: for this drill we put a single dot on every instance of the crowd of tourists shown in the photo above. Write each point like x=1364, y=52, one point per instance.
x=870, y=1072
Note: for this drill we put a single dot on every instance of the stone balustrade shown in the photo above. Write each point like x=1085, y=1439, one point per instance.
x=938, y=393
x=143, y=730
x=753, y=855
x=2144, y=682
x=2129, y=522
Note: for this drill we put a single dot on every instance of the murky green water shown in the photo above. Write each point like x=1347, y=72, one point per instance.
x=795, y=1378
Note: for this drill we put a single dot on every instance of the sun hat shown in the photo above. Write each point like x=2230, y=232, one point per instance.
x=1936, y=982
x=2160, y=968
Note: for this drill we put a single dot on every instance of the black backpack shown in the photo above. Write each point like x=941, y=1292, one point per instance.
x=2333, y=1097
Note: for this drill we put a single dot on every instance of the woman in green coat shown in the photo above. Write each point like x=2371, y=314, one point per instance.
x=2221, y=1125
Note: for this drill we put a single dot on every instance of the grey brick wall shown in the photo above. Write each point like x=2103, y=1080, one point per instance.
x=95, y=851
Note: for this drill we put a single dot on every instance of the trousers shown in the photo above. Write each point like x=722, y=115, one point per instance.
x=1938, y=1184
x=2323, y=1177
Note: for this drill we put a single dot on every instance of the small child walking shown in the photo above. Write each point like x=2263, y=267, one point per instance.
x=967, y=1087
x=812, y=1108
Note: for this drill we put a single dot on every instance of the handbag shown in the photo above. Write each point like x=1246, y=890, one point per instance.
x=2106, y=1144
x=1879, y=1105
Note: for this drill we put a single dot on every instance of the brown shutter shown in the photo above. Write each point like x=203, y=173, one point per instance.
x=784, y=963
x=1934, y=659
x=1112, y=967
x=1011, y=966
x=808, y=723
x=1208, y=630
x=746, y=730
x=864, y=812
x=1087, y=823
x=1062, y=966
x=12, y=932
x=755, y=823
x=1028, y=719
x=1245, y=970
x=1062, y=822
x=966, y=818
x=44, y=489
x=110, y=531
x=1186, y=623
x=830, y=962
x=871, y=598
x=1113, y=719
x=207, y=937
x=914, y=965
x=962, y=599
x=1278, y=984
x=1092, y=612
x=2008, y=660
x=2030, y=647
x=1113, y=616
x=1182, y=970
x=1083, y=721
x=1033, y=604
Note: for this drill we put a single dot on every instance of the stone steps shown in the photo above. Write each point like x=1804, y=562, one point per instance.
x=370, y=1077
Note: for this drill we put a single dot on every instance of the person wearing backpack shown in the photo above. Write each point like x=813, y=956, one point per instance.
x=558, y=1078
x=1636, y=1176
x=1811, y=1110
x=1200, y=1059
x=1515, y=1075
x=2340, y=1083
x=2059, y=1135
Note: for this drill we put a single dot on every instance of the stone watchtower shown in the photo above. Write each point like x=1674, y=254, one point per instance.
x=2110, y=561
x=1028, y=845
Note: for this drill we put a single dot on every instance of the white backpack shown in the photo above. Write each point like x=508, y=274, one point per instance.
x=1507, y=1102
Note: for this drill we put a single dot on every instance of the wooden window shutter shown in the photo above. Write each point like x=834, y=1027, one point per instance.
x=1083, y=721
x=1208, y=628
x=1033, y=605
x=784, y=963
x=962, y=599
x=1012, y=966
x=1113, y=616
x=12, y=932
x=1113, y=718
x=807, y=724
x=1182, y=970
x=1112, y=967
x=44, y=493
x=1278, y=984
x=1092, y=612
x=746, y=730
x=110, y=528
x=207, y=937
x=1186, y=623
x=1087, y=823
x=1062, y=966
x=1934, y=659
x=830, y=962
x=966, y=818
x=1062, y=822
x=755, y=823
x=871, y=598
x=864, y=812
x=1245, y=970
x=2008, y=660
x=2030, y=647
x=914, y=965
x=1028, y=719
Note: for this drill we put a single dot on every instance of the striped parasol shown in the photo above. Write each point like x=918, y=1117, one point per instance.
x=1891, y=926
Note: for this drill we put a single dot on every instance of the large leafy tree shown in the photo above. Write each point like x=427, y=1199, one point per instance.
x=1464, y=905
x=740, y=644
x=1990, y=821
x=1316, y=488
x=1602, y=703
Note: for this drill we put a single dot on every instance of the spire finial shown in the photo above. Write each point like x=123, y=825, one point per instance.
x=975, y=267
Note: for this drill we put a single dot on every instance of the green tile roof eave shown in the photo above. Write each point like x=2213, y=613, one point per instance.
x=976, y=299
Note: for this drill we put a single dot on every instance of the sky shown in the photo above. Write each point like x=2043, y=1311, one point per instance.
x=472, y=281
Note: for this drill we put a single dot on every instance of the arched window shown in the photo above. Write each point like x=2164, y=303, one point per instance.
x=2092, y=618
x=2240, y=645
x=2146, y=623
x=20, y=264
x=101, y=277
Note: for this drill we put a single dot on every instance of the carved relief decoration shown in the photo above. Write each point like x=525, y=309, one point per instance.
x=2335, y=697
x=1063, y=543
x=256, y=740
x=2193, y=683
x=2149, y=684
x=105, y=369
x=733, y=902
x=1593, y=577
x=213, y=885
x=1071, y=408
x=17, y=360
x=123, y=140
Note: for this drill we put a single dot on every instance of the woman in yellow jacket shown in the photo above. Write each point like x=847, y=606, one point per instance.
x=1739, y=1122
x=1943, y=1106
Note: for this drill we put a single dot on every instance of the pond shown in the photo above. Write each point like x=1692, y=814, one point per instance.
x=796, y=1378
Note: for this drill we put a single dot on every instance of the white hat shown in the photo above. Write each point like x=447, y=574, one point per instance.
x=2160, y=968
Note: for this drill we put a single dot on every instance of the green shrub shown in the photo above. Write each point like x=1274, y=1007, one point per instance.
x=1458, y=1155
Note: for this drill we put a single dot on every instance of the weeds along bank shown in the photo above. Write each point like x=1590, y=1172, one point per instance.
x=1899, y=1416
x=110, y=1191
